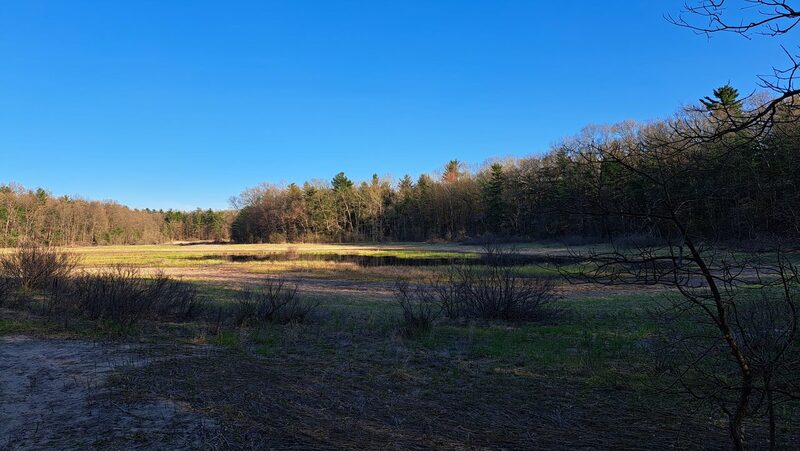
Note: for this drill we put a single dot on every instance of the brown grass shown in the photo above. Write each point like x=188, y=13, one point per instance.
x=389, y=396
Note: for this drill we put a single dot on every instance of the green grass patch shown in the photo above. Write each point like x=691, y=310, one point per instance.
x=227, y=339
x=14, y=327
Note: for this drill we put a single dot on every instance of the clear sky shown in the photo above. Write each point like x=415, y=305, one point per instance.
x=182, y=104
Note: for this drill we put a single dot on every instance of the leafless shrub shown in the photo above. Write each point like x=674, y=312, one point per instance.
x=494, y=292
x=118, y=294
x=451, y=295
x=767, y=325
x=274, y=302
x=421, y=306
x=58, y=302
x=122, y=295
x=697, y=362
x=498, y=293
x=173, y=299
x=35, y=266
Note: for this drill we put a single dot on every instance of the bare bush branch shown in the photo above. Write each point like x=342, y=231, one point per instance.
x=273, y=301
x=35, y=266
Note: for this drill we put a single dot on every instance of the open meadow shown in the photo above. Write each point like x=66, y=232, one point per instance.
x=343, y=368
x=400, y=225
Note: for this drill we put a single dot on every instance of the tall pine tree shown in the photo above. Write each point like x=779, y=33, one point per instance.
x=726, y=98
x=495, y=203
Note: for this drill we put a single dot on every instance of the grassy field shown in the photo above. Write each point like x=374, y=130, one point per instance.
x=348, y=378
x=215, y=262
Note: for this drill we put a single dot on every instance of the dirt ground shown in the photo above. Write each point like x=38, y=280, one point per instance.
x=54, y=395
x=364, y=394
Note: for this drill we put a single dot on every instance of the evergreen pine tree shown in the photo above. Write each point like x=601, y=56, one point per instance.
x=725, y=99
x=495, y=204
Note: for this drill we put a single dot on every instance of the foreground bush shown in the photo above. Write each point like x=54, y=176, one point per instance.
x=274, y=302
x=493, y=293
x=498, y=293
x=174, y=300
x=420, y=306
x=34, y=266
x=123, y=296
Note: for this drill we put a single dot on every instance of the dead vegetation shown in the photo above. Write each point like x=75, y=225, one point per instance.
x=420, y=305
x=46, y=280
x=121, y=295
x=274, y=301
x=335, y=390
x=35, y=266
x=485, y=366
x=496, y=294
x=492, y=293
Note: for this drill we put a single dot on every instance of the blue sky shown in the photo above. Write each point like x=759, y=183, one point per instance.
x=182, y=104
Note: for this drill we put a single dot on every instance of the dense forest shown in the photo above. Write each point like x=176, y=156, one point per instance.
x=739, y=188
x=37, y=215
x=743, y=187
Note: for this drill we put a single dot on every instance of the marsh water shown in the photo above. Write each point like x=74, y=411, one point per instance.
x=391, y=260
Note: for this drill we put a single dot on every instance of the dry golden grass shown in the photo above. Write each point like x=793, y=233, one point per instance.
x=348, y=377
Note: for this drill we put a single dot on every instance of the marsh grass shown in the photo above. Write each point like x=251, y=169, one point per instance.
x=349, y=377
x=581, y=379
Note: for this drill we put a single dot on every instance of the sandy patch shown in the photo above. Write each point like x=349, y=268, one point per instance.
x=54, y=394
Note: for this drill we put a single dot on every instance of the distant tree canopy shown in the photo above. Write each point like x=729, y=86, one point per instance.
x=36, y=215
x=752, y=188
x=753, y=191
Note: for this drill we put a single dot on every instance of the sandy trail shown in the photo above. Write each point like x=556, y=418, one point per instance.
x=53, y=395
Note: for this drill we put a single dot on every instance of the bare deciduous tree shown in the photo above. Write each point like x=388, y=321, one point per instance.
x=750, y=18
x=736, y=343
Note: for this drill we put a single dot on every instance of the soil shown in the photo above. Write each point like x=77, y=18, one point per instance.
x=54, y=395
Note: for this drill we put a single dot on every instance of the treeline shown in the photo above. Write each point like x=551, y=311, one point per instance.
x=739, y=187
x=38, y=216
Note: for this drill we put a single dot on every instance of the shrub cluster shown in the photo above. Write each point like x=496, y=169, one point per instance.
x=35, y=266
x=274, y=301
x=45, y=279
x=121, y=294
x=496, y=293
x=486, y=293
x=421, y=306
